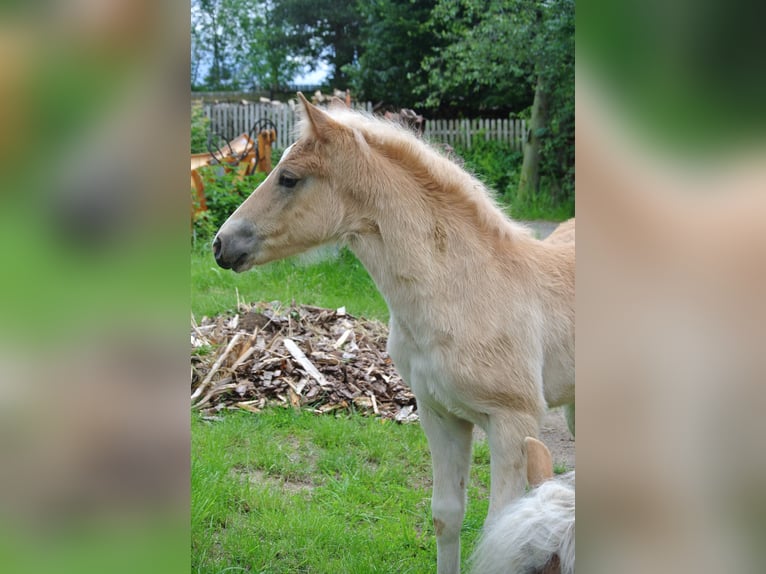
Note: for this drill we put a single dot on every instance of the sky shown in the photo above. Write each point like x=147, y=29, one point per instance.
x=309, y=78
x=315, y=77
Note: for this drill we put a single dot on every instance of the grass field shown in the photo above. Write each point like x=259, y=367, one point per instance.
x=336, y=281
x=293, y=492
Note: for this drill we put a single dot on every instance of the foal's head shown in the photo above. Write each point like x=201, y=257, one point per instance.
x=306, y=201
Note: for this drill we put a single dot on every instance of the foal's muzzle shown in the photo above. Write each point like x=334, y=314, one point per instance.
x=234, y=243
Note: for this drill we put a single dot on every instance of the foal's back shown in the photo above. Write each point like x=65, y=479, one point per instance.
x=564, y=233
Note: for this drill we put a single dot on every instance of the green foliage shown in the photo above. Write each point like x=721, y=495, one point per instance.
x=213, y=37
x=482, y=58
x=199, y=128
x=495, y=49
x=496, y=163
x=271, y=51
x=540, y=206
x=555, y=48
x=247, y=43
x=223, y=194
x=395, y=40
x=329, y=29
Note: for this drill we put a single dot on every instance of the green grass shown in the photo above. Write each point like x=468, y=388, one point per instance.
x=539, y=207
x=290, y=492
x=334, y=282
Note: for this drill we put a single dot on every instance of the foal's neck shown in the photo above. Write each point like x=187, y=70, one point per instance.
x=428, y=254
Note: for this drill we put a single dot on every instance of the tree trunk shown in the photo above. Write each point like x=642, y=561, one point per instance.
x=529, y=181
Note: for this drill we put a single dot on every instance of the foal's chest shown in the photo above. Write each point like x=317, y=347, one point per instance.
x=429, y=364
x=418, y=352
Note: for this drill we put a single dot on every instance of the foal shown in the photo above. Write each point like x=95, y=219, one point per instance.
x=482, y=314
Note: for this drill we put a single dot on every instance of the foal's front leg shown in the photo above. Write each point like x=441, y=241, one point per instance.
x=449, y=439
x=508, y=464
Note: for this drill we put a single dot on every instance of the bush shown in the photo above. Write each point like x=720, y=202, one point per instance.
x=541, y=207
x=496, y=163
x=557, y=160
x=199, y=127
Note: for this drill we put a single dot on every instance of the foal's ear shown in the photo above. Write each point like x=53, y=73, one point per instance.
x=539, y=462
x=322, y=125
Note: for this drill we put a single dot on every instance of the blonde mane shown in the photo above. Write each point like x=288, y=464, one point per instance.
x=438, y=177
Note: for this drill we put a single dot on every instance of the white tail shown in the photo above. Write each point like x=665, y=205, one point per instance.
x=535, y=534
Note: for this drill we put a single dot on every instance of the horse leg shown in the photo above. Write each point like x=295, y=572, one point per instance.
x=507, y=463
x=449, y=439
x=569, y=413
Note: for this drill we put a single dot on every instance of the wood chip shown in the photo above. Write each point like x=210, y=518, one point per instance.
x=342, y=339
x=245, y=406
x=304, y=362
x=333, y=362
x=216, y=366
x=374, y=403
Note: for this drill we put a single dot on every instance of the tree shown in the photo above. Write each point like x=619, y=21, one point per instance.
x=270, y=51
x=551, y=139
x=480, y=67
x=396, y=38
x=214, y=41
x=513, y=49
x=529, y=178
x=329, y=28
x=247, y=43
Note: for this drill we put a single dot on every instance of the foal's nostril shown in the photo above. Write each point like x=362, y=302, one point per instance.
x=234, y=243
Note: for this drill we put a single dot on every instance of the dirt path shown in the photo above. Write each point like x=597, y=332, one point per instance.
x=541, y=229
x=555, y=434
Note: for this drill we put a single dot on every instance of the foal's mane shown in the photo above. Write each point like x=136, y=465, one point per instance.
x=440, y=178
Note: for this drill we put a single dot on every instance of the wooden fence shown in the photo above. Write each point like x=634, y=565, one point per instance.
x=465, y=131
x=230, y=120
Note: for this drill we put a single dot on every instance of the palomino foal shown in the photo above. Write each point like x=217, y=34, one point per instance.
x=482, y=314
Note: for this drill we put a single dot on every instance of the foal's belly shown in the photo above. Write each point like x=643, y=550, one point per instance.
x=481, y=377
x=558, y=383
x=437, y=385
x=559, y=376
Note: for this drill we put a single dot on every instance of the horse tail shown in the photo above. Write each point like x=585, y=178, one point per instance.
x=535, y=534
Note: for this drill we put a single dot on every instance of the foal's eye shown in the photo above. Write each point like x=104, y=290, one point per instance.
x=287, y=179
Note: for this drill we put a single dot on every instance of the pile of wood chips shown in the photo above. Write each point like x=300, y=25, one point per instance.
x=301, y=356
